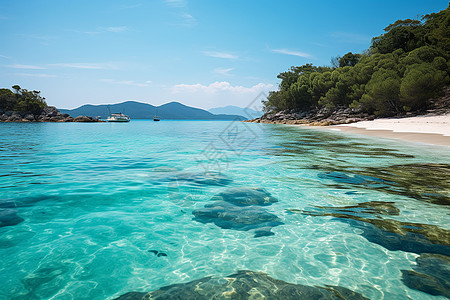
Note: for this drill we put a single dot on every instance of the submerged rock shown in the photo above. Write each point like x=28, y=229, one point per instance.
x=431, y=275
x=391, y=234
x=229, y=216
x=207, y=178
x=426, y=182
x=9, y=217
x=244, y=196
x=244, y=285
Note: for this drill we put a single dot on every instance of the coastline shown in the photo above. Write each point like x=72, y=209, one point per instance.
x=428, y=129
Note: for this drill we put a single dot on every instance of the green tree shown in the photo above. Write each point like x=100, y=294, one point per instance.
x=421, y=83
x=7, y=99
x=349, y=59
x=381, y=94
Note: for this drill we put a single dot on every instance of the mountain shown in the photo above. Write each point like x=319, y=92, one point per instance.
x=247, y=113
x=137, y=110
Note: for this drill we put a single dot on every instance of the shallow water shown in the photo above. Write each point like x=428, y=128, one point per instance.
x=86, y=208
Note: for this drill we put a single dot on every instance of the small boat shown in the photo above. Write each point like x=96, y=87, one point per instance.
x=118, y=117
x=156, y=118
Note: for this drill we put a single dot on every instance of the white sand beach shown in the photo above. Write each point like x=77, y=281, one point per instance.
x=430, y=129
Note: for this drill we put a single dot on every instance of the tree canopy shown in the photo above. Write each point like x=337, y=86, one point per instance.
x=21, y=100
x=401, y=71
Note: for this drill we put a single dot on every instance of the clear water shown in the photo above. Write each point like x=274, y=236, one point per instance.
x=95, y=198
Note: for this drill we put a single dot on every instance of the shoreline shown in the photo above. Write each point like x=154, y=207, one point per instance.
x=428, y=129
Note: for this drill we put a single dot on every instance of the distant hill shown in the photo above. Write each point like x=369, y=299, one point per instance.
x=137, y=110
x=247, y=113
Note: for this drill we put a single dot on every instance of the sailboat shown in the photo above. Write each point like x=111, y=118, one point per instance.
x=155, y=117
x=117, y=117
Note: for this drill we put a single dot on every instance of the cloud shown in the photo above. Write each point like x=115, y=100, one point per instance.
x=128, y=82
x=100, y=30
x=349, y=37
x=88, y=66
x=117, y=29
x=218, y=94
x=5, y=57
x=29, y=67
x=223, y=71
x=176, y=3
x=292, y=52
x=35, y=75
x=220, y=54
x=218, y=87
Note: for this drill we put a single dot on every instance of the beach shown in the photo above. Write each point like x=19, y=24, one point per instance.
x=429, y=129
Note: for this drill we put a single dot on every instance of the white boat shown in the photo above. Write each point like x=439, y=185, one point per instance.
x=119, y=117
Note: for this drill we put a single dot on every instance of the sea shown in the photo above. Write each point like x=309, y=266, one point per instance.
x=97, y=210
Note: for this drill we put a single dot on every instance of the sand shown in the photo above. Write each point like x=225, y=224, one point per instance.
x=429, y=129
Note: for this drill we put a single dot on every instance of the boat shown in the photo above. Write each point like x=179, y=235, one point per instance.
x=118, y=117
x=155, y=117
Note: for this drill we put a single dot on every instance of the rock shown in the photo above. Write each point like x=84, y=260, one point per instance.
x=391, y=234
x=244, y=285
x=229, y=216
x=419, y=181
x=29, y=117
x=245, y=196
x=431, y=275
x=83, y=119
x=9, y=217
x=51, y=111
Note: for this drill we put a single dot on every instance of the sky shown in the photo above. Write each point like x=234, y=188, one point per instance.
x=202, y=53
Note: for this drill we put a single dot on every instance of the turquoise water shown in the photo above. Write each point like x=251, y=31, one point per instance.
x=86, y=202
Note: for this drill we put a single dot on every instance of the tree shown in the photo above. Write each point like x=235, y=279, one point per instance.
x=349, y=59
x=21, y=100
x=421, y=83
x=7, y=100
x=382, y=94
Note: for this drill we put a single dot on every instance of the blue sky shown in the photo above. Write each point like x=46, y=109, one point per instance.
x=201, y=53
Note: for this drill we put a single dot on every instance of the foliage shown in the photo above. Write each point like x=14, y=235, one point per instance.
x=404, y=68
x=21, y=100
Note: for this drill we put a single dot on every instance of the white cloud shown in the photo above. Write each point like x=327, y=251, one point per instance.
x=29, y=67
x=128, y=82
x=5, y=57
x=89, y=66
x=218, y=94
x=219, y=86
x=35, y=75
x=223, y=71
x=292, y=52
x=220, y=54
x=176, y=3
x=117, y=29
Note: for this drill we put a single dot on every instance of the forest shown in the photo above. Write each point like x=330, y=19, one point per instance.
x=402, y=71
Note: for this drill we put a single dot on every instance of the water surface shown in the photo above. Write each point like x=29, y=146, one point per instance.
x=85, y=209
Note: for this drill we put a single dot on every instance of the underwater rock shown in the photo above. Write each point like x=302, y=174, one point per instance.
x=229, y=216
x=431, y=275
x=207, y=178
x=426, y=182
x=9, y=217
x=245, y=196
x=244, y=285
x=391, y=234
